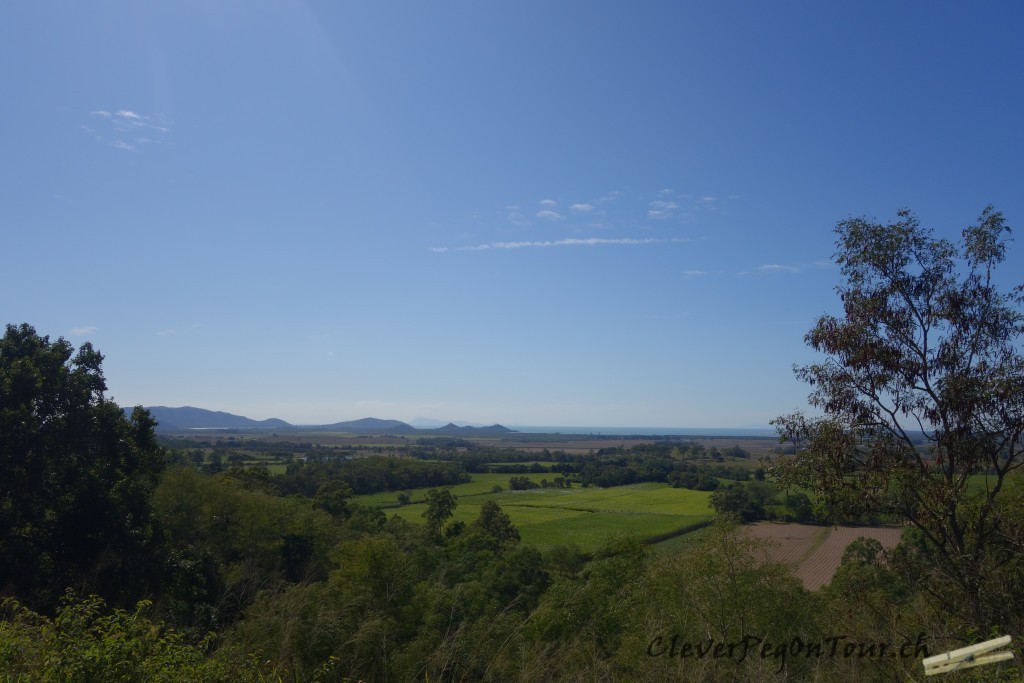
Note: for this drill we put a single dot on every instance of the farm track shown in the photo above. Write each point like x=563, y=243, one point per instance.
x=814, y=552
x=555, y=507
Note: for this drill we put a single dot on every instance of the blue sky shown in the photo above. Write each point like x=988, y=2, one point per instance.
x=547, y=213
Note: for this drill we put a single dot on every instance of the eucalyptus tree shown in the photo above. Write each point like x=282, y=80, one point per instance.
x=921, y=387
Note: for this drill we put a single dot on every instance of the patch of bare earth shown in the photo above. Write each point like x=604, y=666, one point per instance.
x=814, y=552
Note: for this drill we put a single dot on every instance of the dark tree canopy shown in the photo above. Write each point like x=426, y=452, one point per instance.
x=922, y=386
x=75, y=473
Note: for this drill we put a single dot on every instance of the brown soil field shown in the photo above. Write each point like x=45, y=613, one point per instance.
x=760, y=447
x=814, y=552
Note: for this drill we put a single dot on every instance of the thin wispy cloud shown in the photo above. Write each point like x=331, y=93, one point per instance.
x=598, y=214
x=127, y=130
x=661, y=209
x=172, y=331
x=515, y=216
x=568, y=242
x=662, y=204
x=789, y=267
x=82, y=330
x=778, y=268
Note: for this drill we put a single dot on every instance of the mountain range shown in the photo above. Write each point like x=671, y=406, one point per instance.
x=188, y=418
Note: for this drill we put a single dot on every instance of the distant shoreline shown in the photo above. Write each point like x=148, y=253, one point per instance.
x=649, y=431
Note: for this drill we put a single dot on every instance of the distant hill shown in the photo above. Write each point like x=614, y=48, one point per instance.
x=430, y=423
x=452, y=428
x=188, y=418
x=367, y=424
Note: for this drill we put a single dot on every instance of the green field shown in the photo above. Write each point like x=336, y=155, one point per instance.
x=981, y=483
x=588, y=517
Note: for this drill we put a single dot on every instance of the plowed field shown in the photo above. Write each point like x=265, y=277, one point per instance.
x=814, y=552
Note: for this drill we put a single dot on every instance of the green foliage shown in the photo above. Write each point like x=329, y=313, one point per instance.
x=370, y=474
x=720, y=588
x=566, y=559
x=86, y=642
x=255, y=478
x=800, y=506
x=691, y=479
x=874, y=597
x=581, y=622
x=440, y=506
x=496, y=524
x=744, y=501
x=522, y=484
x=398, y=607
x=229, y=543
x=75, y=475
x=332, y=497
